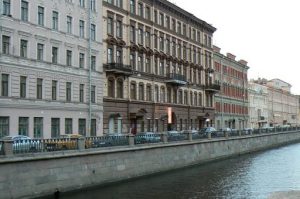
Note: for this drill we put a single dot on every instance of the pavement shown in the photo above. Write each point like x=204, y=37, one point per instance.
x=285, y=195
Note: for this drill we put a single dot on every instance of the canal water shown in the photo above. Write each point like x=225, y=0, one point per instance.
x=250, y=176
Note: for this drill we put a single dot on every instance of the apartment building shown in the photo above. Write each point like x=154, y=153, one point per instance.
x=258, y=105
x=282, y=104
x=232, y=102
x=157, y=67
x=51, y=68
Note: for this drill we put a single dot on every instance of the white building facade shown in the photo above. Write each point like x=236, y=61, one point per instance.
x=51, y=68
x=258, y=105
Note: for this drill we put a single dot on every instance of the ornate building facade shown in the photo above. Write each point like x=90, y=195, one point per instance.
x=51, y=68
x=232, y=102
x=157, y=67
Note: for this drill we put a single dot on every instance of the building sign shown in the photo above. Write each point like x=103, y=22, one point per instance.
x=169, y=115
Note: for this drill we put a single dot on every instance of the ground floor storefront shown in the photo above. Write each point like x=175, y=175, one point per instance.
x=123, y=116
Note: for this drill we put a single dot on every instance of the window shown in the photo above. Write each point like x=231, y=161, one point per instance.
x=110, y=26
x=175, y=96
x=93, y=32
x=41, y=16
x=162, y=94
x=93, y=94
x=191, y=98
x=185, y=97
x=68, y=126
x=161, y=19
x=54, y=55
x=68, y=91
x=5, y=44
x=22, y=87
x=93, y=63
x=119, y=29
x=39, y=88
x=141, y=36
x=81, y=93
x=140, y=10
x=168, y=46
x=200, y=100
x=147, y=13
x=119, y=56
x=110, y=55
x=174, y=48
x=132, y=33
x=184, y=29
x=155, y=40
x=169, y=94
x=54, y=20
x=148, y=93
x=4, y=84
x=81, y=28
x=133, y=90
x=40, y=52
x=82, y=3
x=93, y=5
x=119, y=3
x=81, y=60
x=6, y=11
x=69, y=58
x=111, y=87
x=180, y=97
x=69, y=24
x=173, y=25
x=24, y=10
x=156, y=93
x=155, y=66
x=161, y=43
x=23, y=126
x=161, y=68
x=4, y=126
x=38, y=127
x=148, y=65
x=147, y=39
x=141, y=91
x=93, y=127
x=132, y=6
x=82, y=127
x=120, y=88
x=132, y=60
x=23, y=48
x=55, y=127
x=168, y=22
x=54, y=90
x=140, y=63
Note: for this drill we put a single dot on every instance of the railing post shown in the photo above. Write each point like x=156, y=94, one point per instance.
x=164, y=137
x=190, y=136
x=8, y=147
x=131, y=139
x=209, y=135
x=81, y=143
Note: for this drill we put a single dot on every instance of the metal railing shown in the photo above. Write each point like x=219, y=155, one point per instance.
x=112, y=140
x=118, y=66
x=174, y=76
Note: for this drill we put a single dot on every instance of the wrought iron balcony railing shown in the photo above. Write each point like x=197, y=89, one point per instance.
x=177, y=79
x=118, y=68
x=213, y=87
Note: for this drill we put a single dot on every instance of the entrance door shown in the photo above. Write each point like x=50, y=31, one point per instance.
x=133, y=126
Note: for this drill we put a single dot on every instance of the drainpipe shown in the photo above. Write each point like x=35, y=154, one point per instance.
x=90, y=68
x=221, y=94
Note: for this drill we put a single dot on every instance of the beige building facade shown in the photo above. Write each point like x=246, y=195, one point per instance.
x=51, y=68
x=157, y=67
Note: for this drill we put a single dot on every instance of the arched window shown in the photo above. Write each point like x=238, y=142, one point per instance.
x=200, y=99
x=180, y=97
x=111, y=87
x=148, y=93
x=195, y=99
x=185, y=97
x=119, y=88
x=141, y=91
x=191, y=98
x=156, y=93
x=133, y=90
x=162, y=94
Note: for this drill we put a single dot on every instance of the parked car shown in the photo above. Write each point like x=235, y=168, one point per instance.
x=22, y=143
x=248, y=131
x=112, y=139
x=195, y=133
x=206, y=130
x=147, y=137
x=175, y=135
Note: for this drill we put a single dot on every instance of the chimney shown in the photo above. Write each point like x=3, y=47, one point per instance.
x=243, y=62
x=217, y=49
x=231, y=56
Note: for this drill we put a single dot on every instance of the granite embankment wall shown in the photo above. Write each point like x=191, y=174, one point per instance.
x=42, y=174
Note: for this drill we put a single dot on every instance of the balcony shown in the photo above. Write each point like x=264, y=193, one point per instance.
x=176, y=79
x=212, y=87
x=118, y=68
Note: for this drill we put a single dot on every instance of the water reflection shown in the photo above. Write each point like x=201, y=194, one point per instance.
x=249, y=176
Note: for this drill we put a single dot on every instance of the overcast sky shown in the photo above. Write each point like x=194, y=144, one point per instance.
x=266, y=33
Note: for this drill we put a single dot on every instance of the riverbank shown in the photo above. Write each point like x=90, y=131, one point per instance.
x=43, y=174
